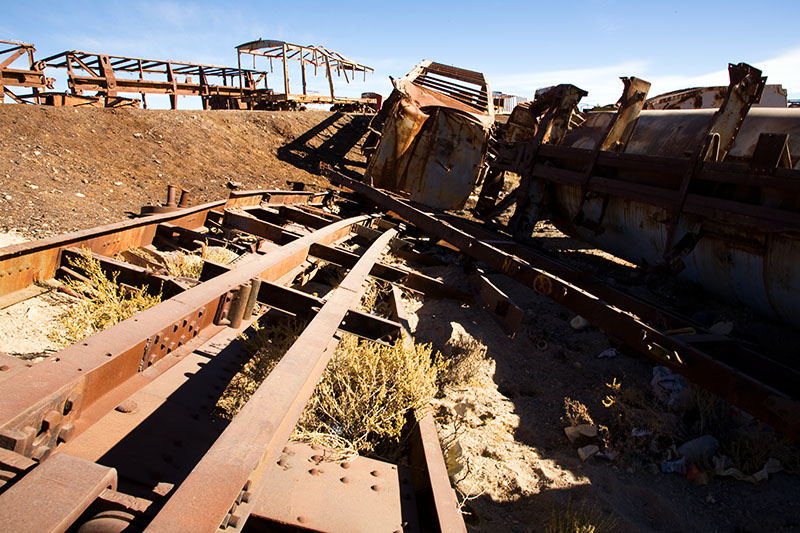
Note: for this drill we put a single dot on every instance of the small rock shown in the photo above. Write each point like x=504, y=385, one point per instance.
x=577, y=365
x=137, y=135
x=721, y=328
x=85, y=180
x=710, y=499
x=587, y=451
x=579, y=323
x=118, y=183
x=8, y=197
x=156, y=161
x=611, y=352
x=698, y=449
x=581, y=430
x=80, y=195
x=34, y=187
x=36, y=152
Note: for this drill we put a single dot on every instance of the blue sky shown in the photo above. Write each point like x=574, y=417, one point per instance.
x=519, y=46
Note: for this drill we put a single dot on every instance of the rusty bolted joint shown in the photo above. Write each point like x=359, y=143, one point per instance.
x=237, y=305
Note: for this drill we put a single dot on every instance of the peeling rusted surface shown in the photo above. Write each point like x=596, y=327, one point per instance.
x=687, y=191
x=435, y=132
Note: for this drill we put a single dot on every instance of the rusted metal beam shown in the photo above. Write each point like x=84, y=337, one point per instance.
x=41, y=405
x=498, y=303
x=392, y=274
x=436, y=500
x=266, y=421
x=756, y=391
x=38, y=260
x=306, y=306
x=246, y=222
x=131, y=275
x=54, y=494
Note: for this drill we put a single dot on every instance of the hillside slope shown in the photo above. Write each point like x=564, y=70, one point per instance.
x=63, y=169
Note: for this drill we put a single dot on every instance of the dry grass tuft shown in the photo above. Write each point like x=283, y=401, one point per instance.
x=579, y=518
x=368, y=389
x=267, y=345
x=338, y=448
x=104, y=303
x=750, y=452
x=190, y=265
x=374, y=299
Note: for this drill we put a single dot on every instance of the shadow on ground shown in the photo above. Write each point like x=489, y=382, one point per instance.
x=334, y=141
x=629, y=494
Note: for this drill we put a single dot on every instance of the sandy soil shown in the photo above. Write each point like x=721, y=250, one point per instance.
x=63, y=169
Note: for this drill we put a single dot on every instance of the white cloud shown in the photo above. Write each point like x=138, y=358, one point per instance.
x=604, y=86
x=602, y=83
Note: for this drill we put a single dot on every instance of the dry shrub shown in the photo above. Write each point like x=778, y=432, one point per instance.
x=374, y=299
x=465, y=357
x=104, y=303
x=190, y=265
x=367, y=390
x=639, y=426
x=576, y=413
x=266, y=345
x=579, y=518
x=750, y=452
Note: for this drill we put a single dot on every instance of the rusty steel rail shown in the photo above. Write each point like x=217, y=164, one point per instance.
x=268, y=418
x=761, y=386
x=125, y=397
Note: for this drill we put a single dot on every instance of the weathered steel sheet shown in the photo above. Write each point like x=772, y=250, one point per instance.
x=435, y=136
x=744, y=263
x=298, y=492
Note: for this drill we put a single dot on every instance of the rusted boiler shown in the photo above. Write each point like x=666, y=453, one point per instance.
x=714, y=194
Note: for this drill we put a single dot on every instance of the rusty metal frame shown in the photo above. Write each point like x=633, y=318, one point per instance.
x=79, y=387
x=466, y=86
x=757, y=384
x=267, y=420
x=309, y=56
x=109, y=75
x=33, y=77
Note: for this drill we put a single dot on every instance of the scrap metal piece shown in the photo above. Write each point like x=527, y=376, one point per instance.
x=54, y=494
x=434, y=135
x=713, y=97
x=298, y=492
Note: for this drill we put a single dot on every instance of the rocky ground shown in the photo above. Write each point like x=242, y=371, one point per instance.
x=503, y=425
x=63, y=169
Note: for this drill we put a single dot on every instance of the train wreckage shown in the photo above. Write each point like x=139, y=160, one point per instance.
x=118, y=429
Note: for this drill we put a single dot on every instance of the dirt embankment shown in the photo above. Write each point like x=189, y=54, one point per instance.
x=63, y=169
